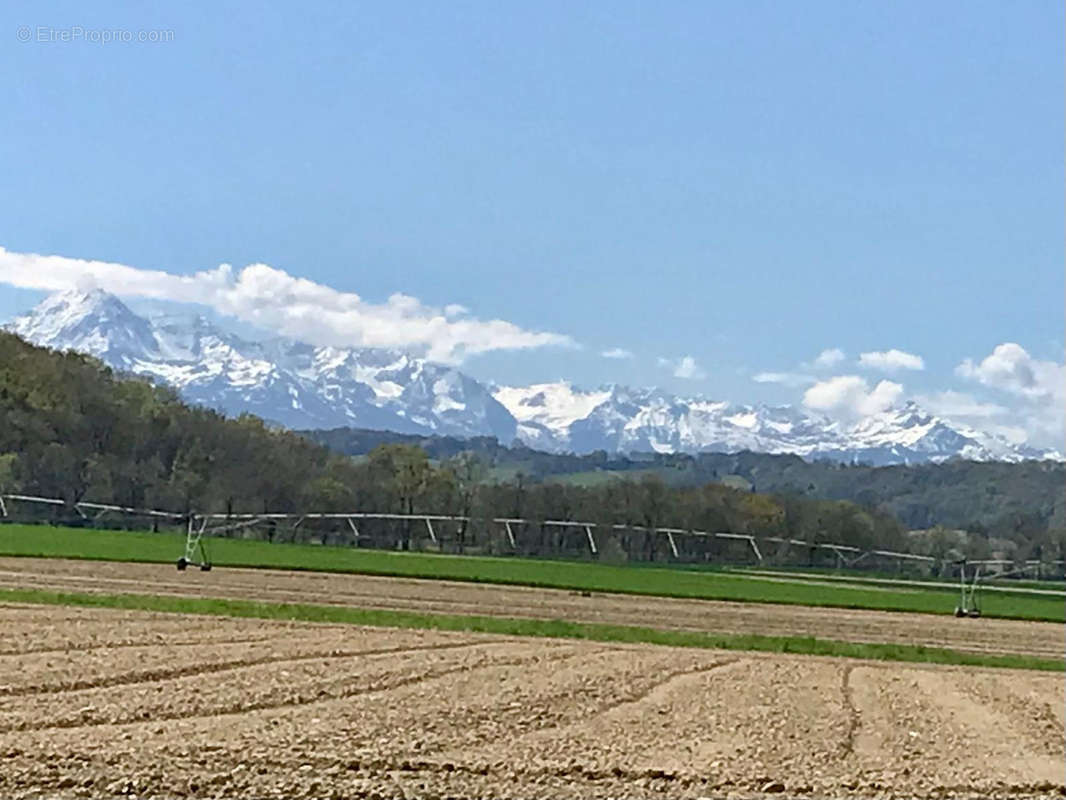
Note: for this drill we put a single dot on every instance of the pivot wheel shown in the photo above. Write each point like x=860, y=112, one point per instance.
x=205, y=567
x=182, y=564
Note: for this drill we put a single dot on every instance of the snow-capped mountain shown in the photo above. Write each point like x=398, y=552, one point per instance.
x=302, y=386
x=89, y=322
x=285, y=382
x=557, y=416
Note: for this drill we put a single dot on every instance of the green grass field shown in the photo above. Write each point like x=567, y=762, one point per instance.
x=1051, y=588
x=860, y=574
x=798, y=645
x=42, y=540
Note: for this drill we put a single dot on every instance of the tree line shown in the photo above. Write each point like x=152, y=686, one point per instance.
x=1011, y=501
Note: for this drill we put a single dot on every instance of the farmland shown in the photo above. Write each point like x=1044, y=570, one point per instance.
x=33, y=540
x=116, y=702
x=420, y=603
x=122, y=678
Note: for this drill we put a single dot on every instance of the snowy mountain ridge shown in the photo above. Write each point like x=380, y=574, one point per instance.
x=280, y=380
x=302, y=386
x=553, y=417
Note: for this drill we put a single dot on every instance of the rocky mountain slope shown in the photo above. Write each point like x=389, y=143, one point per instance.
x=302, y=386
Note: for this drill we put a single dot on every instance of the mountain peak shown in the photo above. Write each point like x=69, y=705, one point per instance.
x=91, y=321
x=284, y=381
x=78, y=303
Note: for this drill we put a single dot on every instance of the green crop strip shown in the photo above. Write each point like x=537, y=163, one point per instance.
x=662, y=581
x=798, y=645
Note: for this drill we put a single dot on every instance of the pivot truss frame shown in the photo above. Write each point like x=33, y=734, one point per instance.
x=200, y=527
x=195, y=547
x=969, y=602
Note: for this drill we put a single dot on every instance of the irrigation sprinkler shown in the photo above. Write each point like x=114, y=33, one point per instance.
x=968, y=606
x=969, y=603
x=198, y=529
x=195, y=549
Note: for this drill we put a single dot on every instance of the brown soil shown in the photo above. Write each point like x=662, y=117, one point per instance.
x=982, y=635
x=100, y=702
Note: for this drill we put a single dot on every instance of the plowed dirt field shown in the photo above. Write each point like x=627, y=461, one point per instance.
x=103, y=702
x=983, y=636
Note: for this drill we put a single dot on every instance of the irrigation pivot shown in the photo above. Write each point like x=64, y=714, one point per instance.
x=969, y=605
x=201, y=526
x=969, y=600
x=195, y=549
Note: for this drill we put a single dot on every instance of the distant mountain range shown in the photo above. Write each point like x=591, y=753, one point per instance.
x=302, y=386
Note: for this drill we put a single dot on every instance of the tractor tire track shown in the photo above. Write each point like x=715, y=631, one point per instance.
x=851, y=711
x=160, y=675
x=240, y=708
x=89, y=646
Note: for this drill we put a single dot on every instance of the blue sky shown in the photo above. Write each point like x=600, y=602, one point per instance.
x=744, y=183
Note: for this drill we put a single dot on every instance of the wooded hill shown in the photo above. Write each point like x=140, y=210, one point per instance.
x=1009, y=501
x=70, y=428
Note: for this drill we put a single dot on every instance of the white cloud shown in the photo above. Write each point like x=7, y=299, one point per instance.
x=953, y=404
x=1009, y=367
x=616, y=352
x=784, y=378
x=965, y=409
x=1015, y=434
x=829, y=358
x=850, y=397
x=688, y=368
x=455, y=310
x=891, y=360
x=1031, y=408
x=272, y=299
x=1039, y=385
x=826, y=359
x=684, y=367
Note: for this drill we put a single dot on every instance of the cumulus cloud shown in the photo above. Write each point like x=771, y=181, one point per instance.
x=829, y=358
x=684, y=367
x=1039, y=385
x=792, y=379
x=1009, y=367
x=1030, y=406
x=616, y=352
x=850, y=396
x=891, y=360
x=272, y=299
